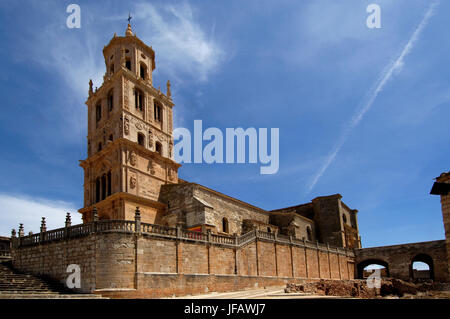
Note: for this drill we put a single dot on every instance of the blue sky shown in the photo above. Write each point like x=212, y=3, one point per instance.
x=305, y=67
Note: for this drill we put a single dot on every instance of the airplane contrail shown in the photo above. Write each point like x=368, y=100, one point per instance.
x=384, y=77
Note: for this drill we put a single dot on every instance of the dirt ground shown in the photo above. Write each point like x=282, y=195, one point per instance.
x=389, y=289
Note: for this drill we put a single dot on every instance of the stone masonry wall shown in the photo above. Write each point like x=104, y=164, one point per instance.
x=51, y=260
x=136, y=265
x=399, y=258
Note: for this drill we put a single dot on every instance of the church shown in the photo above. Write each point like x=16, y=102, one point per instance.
x=131, y=164
x=146, y=233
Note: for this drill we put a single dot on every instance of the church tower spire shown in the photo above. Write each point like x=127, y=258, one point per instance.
x=130, y=144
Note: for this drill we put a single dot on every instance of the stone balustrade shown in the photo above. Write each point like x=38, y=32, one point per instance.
x=132, y=227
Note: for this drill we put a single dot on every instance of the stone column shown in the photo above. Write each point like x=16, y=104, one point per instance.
x=67, y=224
x=137, y=219
x=13, y=239
x=138, y=250
x=43, y=230
x=94, y=219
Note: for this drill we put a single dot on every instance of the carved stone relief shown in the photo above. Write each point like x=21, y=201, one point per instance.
x=150, y=139
x=132, y=158
x=151, y=166
x=132, y=182
x=126, y=126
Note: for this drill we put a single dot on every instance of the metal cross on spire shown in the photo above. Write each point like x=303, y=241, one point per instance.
x=129, y=18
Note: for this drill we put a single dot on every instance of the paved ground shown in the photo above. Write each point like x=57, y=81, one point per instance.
x=269, y=293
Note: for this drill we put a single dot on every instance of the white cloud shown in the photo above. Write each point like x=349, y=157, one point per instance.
x=392, y=69
x=182, y=44
x=73, y=58
x=16, y=209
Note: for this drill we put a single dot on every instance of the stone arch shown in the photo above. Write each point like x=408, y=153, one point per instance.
x=425, y=258
x=143, y=73
x=158, y=148
x=309, y=233
x=363, y=264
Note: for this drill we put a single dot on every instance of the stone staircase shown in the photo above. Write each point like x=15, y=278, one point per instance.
x=14, y=284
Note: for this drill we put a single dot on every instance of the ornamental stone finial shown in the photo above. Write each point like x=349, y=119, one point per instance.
x=21, y=231
x=91, y=91
x=137, y=214
x=43, y=225
x=129, y=32
x=169, y=93
x=68, y=220
x=95, y=214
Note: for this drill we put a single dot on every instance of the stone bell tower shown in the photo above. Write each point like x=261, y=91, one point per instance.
x=130, y=145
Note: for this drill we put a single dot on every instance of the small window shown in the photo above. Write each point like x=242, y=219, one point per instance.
x=97, y=190
x=143, y=71
x=110, y=100
x=110, y=137
x=309, y=233
x=128, y=63
x=225, y=225
x=344, y=219
x=158, y=148
x=99, y=148
x=141, y=139
x=111, y=69
x=104, y=187
x=108, y=179
x=157, y=111
x=139, y=99
x=98, y=112
x=269, y=230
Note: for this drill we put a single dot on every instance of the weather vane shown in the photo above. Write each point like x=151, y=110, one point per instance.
x=129, y=18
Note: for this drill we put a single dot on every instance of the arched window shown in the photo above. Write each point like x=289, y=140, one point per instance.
x=97, y=190
x=110, y=100
x=139, y=99
x=103, y=187
x=98, y=112
x=269, y=230
x=225, y=225
x=158, y=148
x=110, y=137
x=157, y=112
x=128, y=63
x=141, y=139
x=108, y=178
x=309, y=233
x=371, y=266
x=111, y=69
x=344, y=219
x=99, y=147
x=422, y=267
x=143, y=71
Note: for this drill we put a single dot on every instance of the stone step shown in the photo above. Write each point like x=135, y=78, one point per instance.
x=17, y=283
